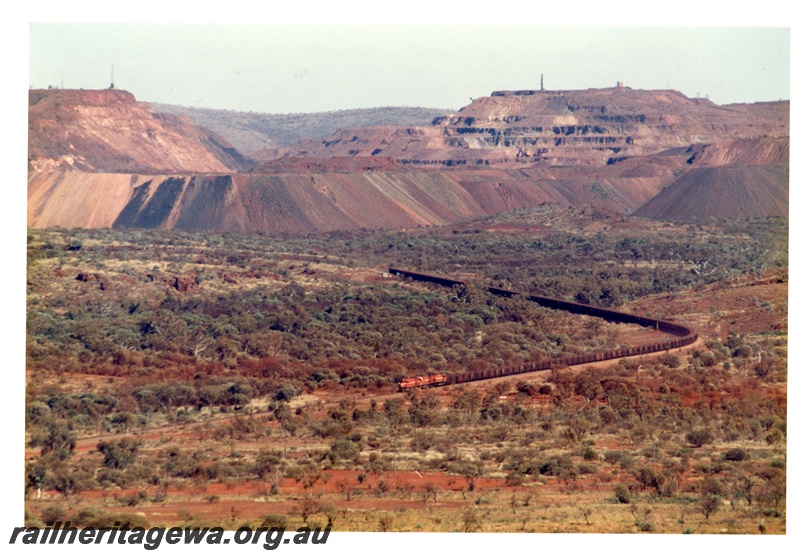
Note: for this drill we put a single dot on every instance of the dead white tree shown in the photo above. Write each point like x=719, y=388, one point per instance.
x=702, y=268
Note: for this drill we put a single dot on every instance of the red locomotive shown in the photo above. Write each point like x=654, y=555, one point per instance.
x=434, y=380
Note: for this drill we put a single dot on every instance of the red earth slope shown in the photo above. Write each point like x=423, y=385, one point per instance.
x=100, y=159
x=322, y=201
x=744, y=178
x=108, y=131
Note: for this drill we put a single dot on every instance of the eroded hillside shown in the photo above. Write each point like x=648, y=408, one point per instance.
x=270, y=134
x=100, y=159
x=108, y=131
x=322, y=201
x=743, y=178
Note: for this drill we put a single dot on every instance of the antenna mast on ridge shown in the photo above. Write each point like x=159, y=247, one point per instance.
x=541, y=82
x=112, y=77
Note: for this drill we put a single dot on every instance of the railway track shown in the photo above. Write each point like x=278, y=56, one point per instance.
x=683, y=334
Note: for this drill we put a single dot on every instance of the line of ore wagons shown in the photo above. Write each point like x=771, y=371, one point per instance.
x=684, y=336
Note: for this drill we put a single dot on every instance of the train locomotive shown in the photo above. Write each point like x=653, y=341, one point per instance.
x=435, y=380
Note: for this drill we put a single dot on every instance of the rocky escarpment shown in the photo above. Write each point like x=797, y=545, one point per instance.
x=108, y=131
x=100, y=159
x=743, y=151
x=538, y=127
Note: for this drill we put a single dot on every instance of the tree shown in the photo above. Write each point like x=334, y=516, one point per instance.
x=306, y=507
x=743, y=488
x=59, y=440
x=347, y=489
x=266, y=463
x=709, y=504
x=622, y=494
x=641, y=402
x=35, y=476
x=266, y=468
x=467, y=400
x=423, y=410
x=648, y=478
x=712, y=491
x=330, y=511
x=471, y=520
x=617, y=394
x=470, y=470
x=394, y=411
x=307, y=474
x=119, y=454
x=773, y=437
x=587, y=385
x=343, y=448
x=671, y=360
x=429, y=491
x=642, y=521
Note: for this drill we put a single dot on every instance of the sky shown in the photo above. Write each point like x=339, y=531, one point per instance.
x=297, y=67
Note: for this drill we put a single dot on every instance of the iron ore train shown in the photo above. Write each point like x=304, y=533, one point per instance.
x=683, y=337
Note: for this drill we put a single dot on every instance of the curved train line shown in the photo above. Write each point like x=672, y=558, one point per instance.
x=685, y=336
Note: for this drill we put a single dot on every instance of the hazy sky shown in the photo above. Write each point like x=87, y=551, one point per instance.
x=303, y=68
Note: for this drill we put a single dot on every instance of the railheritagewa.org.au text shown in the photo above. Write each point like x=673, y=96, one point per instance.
x=269, y=538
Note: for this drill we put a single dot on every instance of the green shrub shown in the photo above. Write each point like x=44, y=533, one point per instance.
x=622, y=494
x=613, y=456
x=275, y=521
x=53, y=513
x=285, y=393
x=698, y=438
x=773, y=437
x=735, y=454
x=671, y=360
